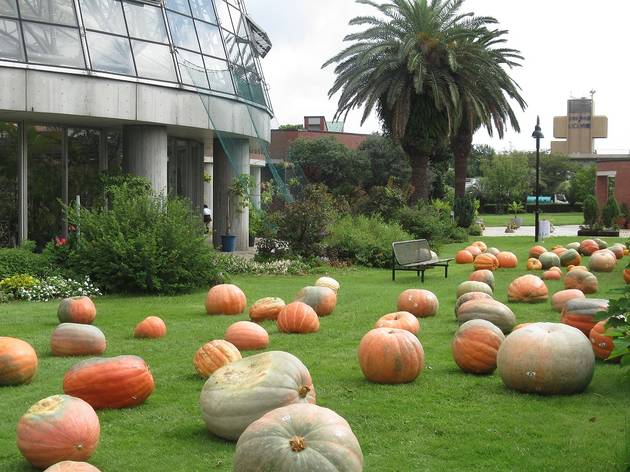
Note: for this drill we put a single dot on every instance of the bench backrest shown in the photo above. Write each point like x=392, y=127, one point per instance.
x=409, y=252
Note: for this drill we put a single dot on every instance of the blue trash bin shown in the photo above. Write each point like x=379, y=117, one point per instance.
x=228, y=243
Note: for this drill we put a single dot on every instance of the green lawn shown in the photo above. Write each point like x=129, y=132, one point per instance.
x=443, y=421
x=556, y=219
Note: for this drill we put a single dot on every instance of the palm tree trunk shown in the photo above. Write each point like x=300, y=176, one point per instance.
x=461, y=145
x=419, y=176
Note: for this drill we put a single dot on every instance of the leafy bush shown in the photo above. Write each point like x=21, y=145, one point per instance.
x=610, y=212
x=383, y=201
x=464, y=211
x=425, y=222
x=142, y=243
x=23, y=261
x=364, y=240
x=271, y=249
x=231, y=264
x=15, y=282
x=54, y=287
x=591, y=212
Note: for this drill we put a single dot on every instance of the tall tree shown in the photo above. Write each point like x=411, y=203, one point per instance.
x=403, y=65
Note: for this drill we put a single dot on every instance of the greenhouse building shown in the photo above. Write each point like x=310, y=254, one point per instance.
x=171, y=90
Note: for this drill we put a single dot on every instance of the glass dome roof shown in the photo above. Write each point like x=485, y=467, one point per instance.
x=201, y=44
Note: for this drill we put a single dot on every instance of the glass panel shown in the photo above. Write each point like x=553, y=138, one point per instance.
x=183, y=31
x=83, y=172
x=224, y=15
x=248, y=57
x=192, y=69
x=154, y=61
x=8, y=185
x=8, y=8
x=10, y=41
x=231, y=44
x=178, y=5
x=103, y=15
x=45, y=174
x=241, y=82
x=203, y=10
x=110, y=53
x=145, y=22
x=219, y=75
x=239, y=22
x=57, y=11
x=210, y=39
x=55, y=45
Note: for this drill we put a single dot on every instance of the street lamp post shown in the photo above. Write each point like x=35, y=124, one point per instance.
x=537, y=135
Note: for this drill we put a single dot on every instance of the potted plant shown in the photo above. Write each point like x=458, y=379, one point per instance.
x=239, y=195
x=515, y=208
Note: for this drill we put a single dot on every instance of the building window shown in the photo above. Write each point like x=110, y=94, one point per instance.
x=103, y=15
x=10, y=41
x=110, y=53
x=53, y=45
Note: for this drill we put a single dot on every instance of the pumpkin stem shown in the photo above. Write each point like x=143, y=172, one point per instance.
x=297, y=444
x=303, y=391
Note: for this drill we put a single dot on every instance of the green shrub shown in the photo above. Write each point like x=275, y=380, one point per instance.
x=425, y=222
x=364, y=240
x=610, y=212
x=383, y=201
x=15, y=282
x=142, y=243
x=591, y=212
x=464, y=211
x=23, y=261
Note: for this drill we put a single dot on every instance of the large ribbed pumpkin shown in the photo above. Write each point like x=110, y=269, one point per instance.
x=151, y=327
x=560, y=299
x=486, y=261
x=328, y=282
x=570, y=257
x=266, y=309
x=549, y=260
x=617, y=249
x=18, y=361
x=493, y=311
x=533, y=264
x=507, y=260
x=536, y=251
x=484, y=275
x=58, y=428
x=552, y=275
x=464, y=257
x=213, y=355
x=241, y=392
x=470, y=296
x=481, y=245
x=390, y=356
x=298, y=317
x=76, y=339
x=321, y=299
x=246, y=335
x=72, y=466
x=115, y=382
x=226, y=299
x=474, y=250
x=581, y=280
x=588, y=247
x=473, y=286
x=76, y=310
x=400, y=320
x=475, y=346
x=559, y=250
x=579, y=313
x=419, y=302
x=300, y=437
x=546, y=358
x=528, y=289
x=603, y=260
x=602, y=345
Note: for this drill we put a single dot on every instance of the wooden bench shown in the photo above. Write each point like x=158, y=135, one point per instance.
x=415, y=255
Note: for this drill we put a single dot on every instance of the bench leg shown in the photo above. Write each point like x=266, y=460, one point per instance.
x=422, y=280
x=393, y=275
x=446, y=271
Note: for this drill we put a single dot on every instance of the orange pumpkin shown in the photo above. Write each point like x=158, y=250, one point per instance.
x=588, y=247
x=419, y=302
x=617, y=249
x=507, y=260
x=76, y=339
x=559, y=250
x=464, y=257
x=534, y=264
x=626, y=276
x=603, y=260
x=18, y=361
x=474, y=250
x=115, y=382
x=298, y=317
x=475, y=346
x=536, y=251
x=58, y=428
x=484, y=275
x=390, y=356
x=481, y=245
x=577, y=267
x=321, y=299
x=72, y=466
x=76, y=310
x=226, y=299
x=579, y=313
x=602, y=345
x=152, y=327
x=486, y=261
x=552, y=275
x=582, y=280
x=213, y=355
x=266, y=309
x=560, y=299
x=400, y=320
x=521, y=325
x=246, y=335
x=527, y=289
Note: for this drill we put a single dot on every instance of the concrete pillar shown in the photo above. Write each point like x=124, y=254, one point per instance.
x=229, y=164
x=255, y=172
x=102, y=151
x=64, y=177
x=22, y=153
x=208, y=170
x=146, y=154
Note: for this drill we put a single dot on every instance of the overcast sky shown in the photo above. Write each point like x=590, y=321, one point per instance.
x=570, y=48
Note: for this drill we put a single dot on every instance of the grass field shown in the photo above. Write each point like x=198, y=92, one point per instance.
x=528, y=219
x=443, y=421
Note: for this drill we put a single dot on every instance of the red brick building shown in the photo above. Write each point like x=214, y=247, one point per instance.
x=617, y=168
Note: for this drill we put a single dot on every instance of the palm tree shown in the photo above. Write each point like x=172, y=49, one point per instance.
x=485, y=90
x=403, y=64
